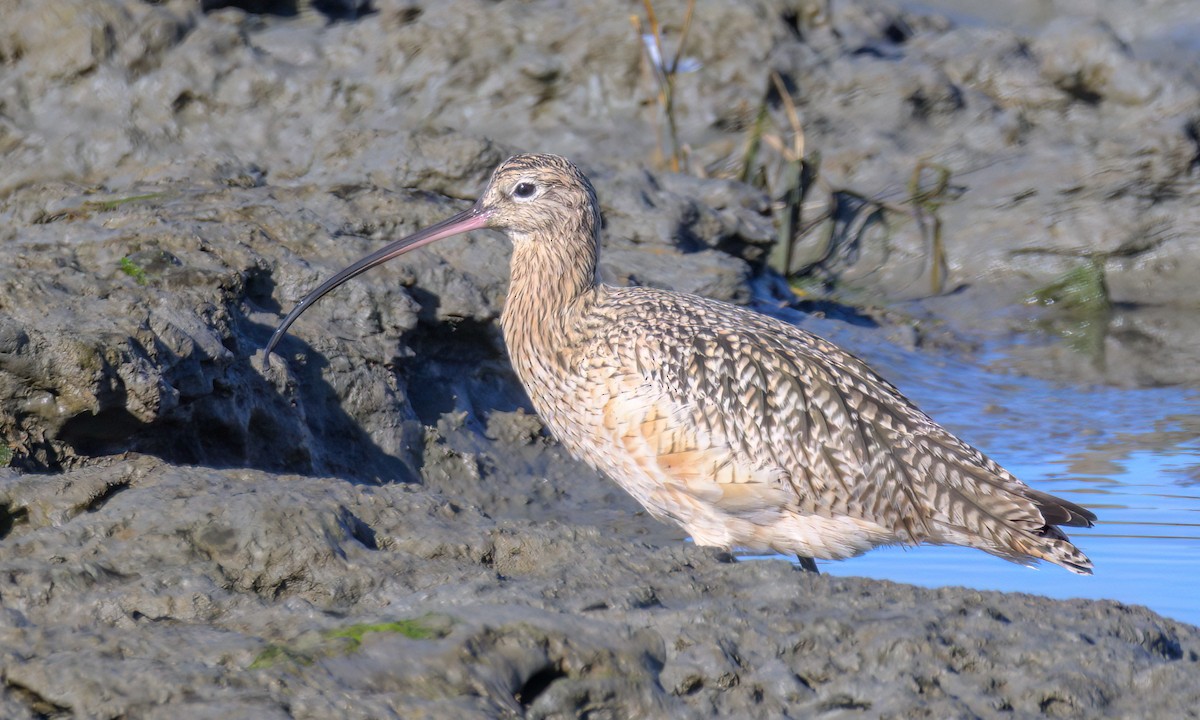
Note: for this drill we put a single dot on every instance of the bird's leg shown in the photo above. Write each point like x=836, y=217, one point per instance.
x=808, y=565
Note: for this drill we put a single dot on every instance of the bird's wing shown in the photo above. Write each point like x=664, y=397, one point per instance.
x=686, y=453
x=679, y=465
x=751, y=414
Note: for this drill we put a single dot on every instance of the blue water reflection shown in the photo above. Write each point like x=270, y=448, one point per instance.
x=1131, y=455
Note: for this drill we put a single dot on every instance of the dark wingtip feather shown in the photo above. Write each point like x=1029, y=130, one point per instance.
x=1057, y=511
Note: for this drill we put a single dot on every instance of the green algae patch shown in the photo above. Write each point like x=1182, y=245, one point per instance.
x=426, y=627
x=1080, y=290
x=311, y=646
x=1082, y=296
x=277, y=654
x=133, y=270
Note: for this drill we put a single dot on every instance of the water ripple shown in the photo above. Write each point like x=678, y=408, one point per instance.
x=1131, y=455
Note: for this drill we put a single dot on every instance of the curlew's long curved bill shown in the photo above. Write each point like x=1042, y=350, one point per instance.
x=472, y=219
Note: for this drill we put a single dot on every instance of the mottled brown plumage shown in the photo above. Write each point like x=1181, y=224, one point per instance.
x=745, y=430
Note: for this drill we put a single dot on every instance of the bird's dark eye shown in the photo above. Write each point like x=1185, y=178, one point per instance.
x=524, y=190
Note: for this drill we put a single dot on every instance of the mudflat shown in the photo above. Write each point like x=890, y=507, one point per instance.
x=377, y=526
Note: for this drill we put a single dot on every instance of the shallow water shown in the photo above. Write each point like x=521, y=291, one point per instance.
x=1130, y=455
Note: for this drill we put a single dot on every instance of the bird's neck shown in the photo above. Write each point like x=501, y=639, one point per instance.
x=552, y=280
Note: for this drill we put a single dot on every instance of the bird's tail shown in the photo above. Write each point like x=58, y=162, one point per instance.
x=1055, y=545
x=1013, y=531
x=1061, y=552
x=1025, y=548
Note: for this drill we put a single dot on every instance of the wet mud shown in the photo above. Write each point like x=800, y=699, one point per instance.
x=373, y=524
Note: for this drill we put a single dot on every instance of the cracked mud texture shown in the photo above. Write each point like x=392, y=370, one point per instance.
x=374, y=525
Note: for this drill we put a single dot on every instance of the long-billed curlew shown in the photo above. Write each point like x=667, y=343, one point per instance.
x=745, y=430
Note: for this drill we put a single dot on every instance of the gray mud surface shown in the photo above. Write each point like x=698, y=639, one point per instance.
x=143, y=589
x=373, y=524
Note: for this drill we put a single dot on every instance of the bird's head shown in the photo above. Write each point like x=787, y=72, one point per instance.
x=534, y=198
x=540, y=196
